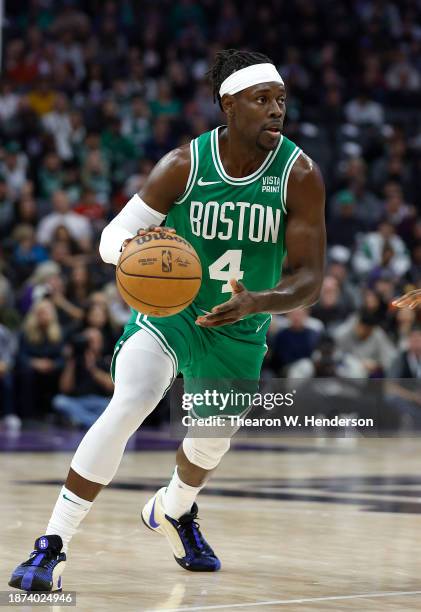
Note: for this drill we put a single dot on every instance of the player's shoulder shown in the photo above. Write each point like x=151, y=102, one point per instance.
x=173, y=169
x=305, y=170
x=168, y=179
x=177, y=159
x=305, y=181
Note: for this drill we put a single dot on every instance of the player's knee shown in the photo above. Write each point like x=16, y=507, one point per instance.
x=128, y=409
x=205, y=452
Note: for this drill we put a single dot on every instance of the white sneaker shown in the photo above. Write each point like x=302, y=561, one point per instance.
x=189, y=547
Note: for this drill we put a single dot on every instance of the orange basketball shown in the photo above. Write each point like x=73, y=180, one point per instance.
x=159, y=274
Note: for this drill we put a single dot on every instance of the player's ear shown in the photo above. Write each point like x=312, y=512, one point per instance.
x=228, y=103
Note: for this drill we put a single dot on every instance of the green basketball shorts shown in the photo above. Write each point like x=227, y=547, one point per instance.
x=225, y=358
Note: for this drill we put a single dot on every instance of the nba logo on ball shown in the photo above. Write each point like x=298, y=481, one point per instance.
x=166, y=261
x=43, y=543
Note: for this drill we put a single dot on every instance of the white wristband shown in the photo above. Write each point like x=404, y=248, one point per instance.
x=134, y=216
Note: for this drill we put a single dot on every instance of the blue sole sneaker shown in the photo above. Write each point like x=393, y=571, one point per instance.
x=189, y=547
x=43, y=570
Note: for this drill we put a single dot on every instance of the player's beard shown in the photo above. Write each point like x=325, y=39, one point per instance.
x=260, y=144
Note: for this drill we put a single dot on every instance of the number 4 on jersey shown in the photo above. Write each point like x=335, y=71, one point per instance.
x=232, y=259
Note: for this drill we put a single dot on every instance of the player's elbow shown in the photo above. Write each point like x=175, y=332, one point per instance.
x=312, y=300
x=112, y=238
x=104, y=243
x=313, y=292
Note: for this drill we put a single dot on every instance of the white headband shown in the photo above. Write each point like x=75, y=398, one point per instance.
x=247, y=77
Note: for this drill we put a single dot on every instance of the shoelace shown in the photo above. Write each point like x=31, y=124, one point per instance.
x=51, y=563
x=50, y=557
x=191, y=531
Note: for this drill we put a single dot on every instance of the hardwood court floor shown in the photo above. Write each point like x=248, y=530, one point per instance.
x=298, y=527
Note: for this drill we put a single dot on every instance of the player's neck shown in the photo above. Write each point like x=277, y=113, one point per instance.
x=238, y=157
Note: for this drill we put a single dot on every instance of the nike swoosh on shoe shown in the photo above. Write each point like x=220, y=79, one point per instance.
x=152, y=520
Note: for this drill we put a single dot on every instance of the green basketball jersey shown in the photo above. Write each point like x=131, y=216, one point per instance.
x=236, y=225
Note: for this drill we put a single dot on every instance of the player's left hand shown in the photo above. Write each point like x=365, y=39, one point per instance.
x=241, y=304
x=411, y=300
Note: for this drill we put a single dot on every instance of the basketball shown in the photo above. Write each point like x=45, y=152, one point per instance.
x=159, y=274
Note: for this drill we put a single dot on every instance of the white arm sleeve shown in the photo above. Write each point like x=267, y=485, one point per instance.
x=135, y=215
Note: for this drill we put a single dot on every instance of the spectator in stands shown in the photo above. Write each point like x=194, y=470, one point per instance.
x=296, y=339
x=393, y=168
x=330, y=309
x=71, y=183
x=9, y=316
x=6, y=209
x=397, y=212
x=62, y=234
x=38, y=284
x=137, y=123
x=27, y=253
x=344, y=224
x=96, y=178
x=382, y=248
x=26, y=211
x=40, y=360
x=362, y=336
x=407, y=364
x=339, y=269
x=14, y=168
x=404, y=395
x=117, y=307
x=78, y=226
x=91, y=207
x=327, y=361
x=119, y=149
x=78, y=133
x=97, y=317
x=57, y=123
x=69, y=51
x=80, y=285
x=161, y=140
x=69, y=18
x=165, y=104
x=7, y=360
x=373, y=303
x=69, y=313
x=402, y=76
x=41, y=99
x=60, y=254
x=50, y=176
x=384, y=270
x=353, y=175
x=413, y=275
x=404, y=324
x=363, y=111
x=9, y=100
x=85, y=383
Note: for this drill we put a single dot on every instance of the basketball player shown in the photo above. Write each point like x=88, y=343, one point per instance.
x=243, y=195
x=410, y=300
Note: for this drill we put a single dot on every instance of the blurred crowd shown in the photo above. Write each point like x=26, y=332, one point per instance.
x=93, y=93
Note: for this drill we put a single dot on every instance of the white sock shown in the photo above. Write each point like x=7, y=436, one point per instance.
x=179, y=497
x=67, y=514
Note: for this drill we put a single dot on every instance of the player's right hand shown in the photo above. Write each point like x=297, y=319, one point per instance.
x=152, y=228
